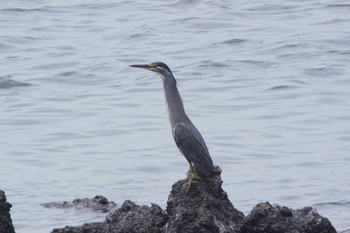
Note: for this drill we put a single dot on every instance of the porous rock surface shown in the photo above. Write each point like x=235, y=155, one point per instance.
x=276, y=219
x=129, y=218
x=5, y=217
x=99, y=204
x=205, y=208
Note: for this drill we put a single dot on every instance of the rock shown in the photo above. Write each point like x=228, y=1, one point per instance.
x=274, y=219
x=98, y=203
x=134, y=218
x=5, y=217
x=129, y=218
x=96, y=227
x=205, y=207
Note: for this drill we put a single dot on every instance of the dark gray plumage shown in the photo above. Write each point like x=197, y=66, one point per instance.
x=192, y=146
x=186, y=136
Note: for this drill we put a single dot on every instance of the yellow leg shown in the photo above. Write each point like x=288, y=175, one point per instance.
x=190, y=171
x=192, y=177
x=195, y=176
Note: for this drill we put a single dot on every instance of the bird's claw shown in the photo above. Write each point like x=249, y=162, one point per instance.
x=192, y=178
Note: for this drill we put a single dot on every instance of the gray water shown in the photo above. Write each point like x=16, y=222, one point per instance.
x=267, y=84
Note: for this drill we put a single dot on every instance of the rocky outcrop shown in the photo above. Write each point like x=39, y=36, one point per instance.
x=129, y=218
x=134, y=218
x=273, y=219
x=205, y=207
x=99, y=204
x=5, y=218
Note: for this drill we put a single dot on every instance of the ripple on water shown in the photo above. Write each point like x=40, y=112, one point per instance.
x=8, y=82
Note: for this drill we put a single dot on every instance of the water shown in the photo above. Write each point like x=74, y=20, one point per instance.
x=267, y=84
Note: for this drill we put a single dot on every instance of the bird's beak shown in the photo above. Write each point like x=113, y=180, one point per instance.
x=150, y=67
x=141, y=66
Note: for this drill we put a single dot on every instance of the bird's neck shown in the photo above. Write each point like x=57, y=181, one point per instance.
x=175, y=105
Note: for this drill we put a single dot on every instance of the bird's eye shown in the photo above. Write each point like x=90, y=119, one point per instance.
x=153, y=65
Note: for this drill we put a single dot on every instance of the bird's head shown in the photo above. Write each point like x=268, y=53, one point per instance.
x=158, y=67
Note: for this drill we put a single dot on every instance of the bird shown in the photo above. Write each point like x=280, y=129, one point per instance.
x=187, y=137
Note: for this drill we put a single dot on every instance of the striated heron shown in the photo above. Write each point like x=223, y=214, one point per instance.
x=187, y=138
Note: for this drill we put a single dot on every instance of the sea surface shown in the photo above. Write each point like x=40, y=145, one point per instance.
x=267, y=83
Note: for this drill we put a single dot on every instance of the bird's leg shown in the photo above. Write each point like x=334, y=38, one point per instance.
x=192, y=177
x=195, y=176
x=190, y=171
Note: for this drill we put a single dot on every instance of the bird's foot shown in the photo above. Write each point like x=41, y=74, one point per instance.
x=186, y=186
x=192, y=178
x=195, y=177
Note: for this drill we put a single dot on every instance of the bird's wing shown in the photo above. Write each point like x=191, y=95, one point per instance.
x=192, y=146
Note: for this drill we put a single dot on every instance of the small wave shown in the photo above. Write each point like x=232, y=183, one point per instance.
x=334, y=203
x=280, y=87
x=339, y=5
x=233, y=41
x=7, y=83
